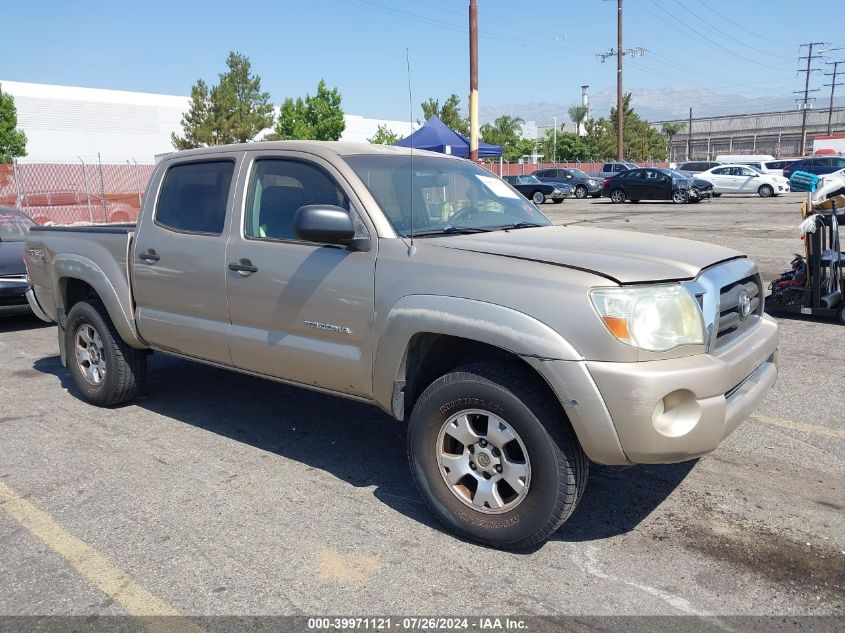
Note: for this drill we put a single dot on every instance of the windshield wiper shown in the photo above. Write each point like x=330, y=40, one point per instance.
x=520, y=225
x=451, y=230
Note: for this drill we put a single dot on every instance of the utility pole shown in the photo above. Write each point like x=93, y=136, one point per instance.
x=473, y=80
x=807, y=102
x=619, y=53
x=554, y=143
x=620, y=115
x=689, y=136
x=832, y=85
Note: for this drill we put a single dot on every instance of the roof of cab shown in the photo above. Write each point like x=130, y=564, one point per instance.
x=319, y=148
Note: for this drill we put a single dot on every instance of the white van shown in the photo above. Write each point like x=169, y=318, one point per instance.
x=758, y=161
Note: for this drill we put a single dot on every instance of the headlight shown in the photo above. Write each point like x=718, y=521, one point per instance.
x=557, y=190
x=653, y=318
x=591, y=182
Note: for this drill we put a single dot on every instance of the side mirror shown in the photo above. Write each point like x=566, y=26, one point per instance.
x=323, y=223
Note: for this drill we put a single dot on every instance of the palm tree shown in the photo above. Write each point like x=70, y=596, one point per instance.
x=670, y=129
x=578, y=114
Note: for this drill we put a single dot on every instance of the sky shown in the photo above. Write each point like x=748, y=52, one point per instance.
x=533, y=55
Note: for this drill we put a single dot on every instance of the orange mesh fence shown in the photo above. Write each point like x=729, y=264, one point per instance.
x=75, y=193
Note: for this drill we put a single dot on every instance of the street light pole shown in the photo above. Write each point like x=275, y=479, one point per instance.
x=554, y=144
x=620, y=117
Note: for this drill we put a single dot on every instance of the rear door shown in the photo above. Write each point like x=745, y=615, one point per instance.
x=179, y=271
x=633, y=184
x=303, y=311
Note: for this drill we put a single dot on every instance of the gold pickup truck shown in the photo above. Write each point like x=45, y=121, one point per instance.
x=514, y=351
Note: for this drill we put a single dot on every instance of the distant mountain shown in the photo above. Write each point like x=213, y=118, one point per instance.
x=653, y=104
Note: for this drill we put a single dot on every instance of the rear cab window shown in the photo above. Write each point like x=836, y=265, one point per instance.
x=194, y=196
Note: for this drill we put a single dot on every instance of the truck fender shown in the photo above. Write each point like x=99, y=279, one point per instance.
x=480, y=321
x=71, y=266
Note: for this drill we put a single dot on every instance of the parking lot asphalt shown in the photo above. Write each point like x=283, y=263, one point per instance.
x=218, y=493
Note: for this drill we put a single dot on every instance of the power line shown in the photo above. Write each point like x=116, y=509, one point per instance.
x=742, y=28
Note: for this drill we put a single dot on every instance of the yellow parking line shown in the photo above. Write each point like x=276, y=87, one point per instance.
x=95, y=567
x=797, y=425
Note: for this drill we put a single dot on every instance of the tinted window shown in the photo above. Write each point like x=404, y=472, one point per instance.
x=544, y=173
x=634, y=174
x=607, y=167
x=838, y=162
x=14, y=226
x=193, y=196
x=722, y=171
x=278, y=188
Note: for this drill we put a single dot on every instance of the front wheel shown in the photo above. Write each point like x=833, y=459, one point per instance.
x=617, y=196
x=494, y=456
x=765, y=191
x=581, y=192
x=105, y=370
x=680, y=196
x=538, y=198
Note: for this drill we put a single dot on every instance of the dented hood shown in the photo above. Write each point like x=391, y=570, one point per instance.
x=622, y=256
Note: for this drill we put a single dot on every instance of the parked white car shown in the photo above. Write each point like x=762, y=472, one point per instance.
x=744, y=179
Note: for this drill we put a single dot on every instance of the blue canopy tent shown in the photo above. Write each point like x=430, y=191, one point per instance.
x=436, y=136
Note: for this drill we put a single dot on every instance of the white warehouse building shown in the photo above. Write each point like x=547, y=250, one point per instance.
x=69, y=123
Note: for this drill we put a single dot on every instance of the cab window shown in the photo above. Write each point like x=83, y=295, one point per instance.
x=278, y=188
x=194, y=195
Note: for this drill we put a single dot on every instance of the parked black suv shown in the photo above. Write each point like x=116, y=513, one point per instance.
x=584, y=184
x=816, y=165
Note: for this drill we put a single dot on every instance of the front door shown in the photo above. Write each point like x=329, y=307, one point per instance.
x=655, y=185
x=179, y=271
x=300, y=311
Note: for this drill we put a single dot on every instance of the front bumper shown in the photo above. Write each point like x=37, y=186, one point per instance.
x=701, y=194
x=674, y=410
x=13, y=297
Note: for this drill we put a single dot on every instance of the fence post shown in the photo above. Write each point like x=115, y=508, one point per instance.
x=102, y=189
x=18, y=193
x=87, y=190
x=140, y=188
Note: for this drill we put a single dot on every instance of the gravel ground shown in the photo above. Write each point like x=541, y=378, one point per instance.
x=220, y=493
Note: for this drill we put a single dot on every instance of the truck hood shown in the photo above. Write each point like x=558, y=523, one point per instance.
x=625, y=257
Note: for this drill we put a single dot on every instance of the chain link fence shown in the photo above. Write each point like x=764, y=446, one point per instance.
x=75, y=193
x=590, y=166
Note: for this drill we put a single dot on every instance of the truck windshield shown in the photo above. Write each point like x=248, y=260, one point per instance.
x=435, y=195
x=14, y=226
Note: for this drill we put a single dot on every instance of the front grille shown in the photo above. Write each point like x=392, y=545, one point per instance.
x=746, y=293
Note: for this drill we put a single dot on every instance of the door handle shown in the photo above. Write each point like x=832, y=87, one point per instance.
x=149, y=256
x=243, y=267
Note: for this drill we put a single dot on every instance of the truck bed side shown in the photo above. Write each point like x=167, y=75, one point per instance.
x=66, y=264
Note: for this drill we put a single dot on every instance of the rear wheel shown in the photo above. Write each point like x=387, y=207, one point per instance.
x=580, y=192
x=538, y=197
x=494, y=456
x=617, y=196
x=105, y=370
x=765, y=191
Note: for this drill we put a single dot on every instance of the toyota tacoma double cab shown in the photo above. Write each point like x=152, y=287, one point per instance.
x=514, y=351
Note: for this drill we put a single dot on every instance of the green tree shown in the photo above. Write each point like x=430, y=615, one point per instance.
x=505, y=131
x=670, y=130
x=578, y=114
x=384, y=136
x=449, y=113
x=570, y=147
x=641, y=142
x=233, y=111
x=12, y=140
x=318, y=117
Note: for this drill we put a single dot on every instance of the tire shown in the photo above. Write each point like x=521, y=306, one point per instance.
x=680, y=196
x=597, y=195
x=558, y=201
x=617, y=196
x=115, y=371
x=765, y=191
x=633, y=201
x=716, y=195
x=555, y=467
x=581, y=192
x=538, y=197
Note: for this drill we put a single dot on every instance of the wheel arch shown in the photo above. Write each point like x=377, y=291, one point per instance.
x=425, y=336
x=78, y=278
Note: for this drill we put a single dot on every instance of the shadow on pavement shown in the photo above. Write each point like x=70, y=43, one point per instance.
x=21, y=322
x=357, y=442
